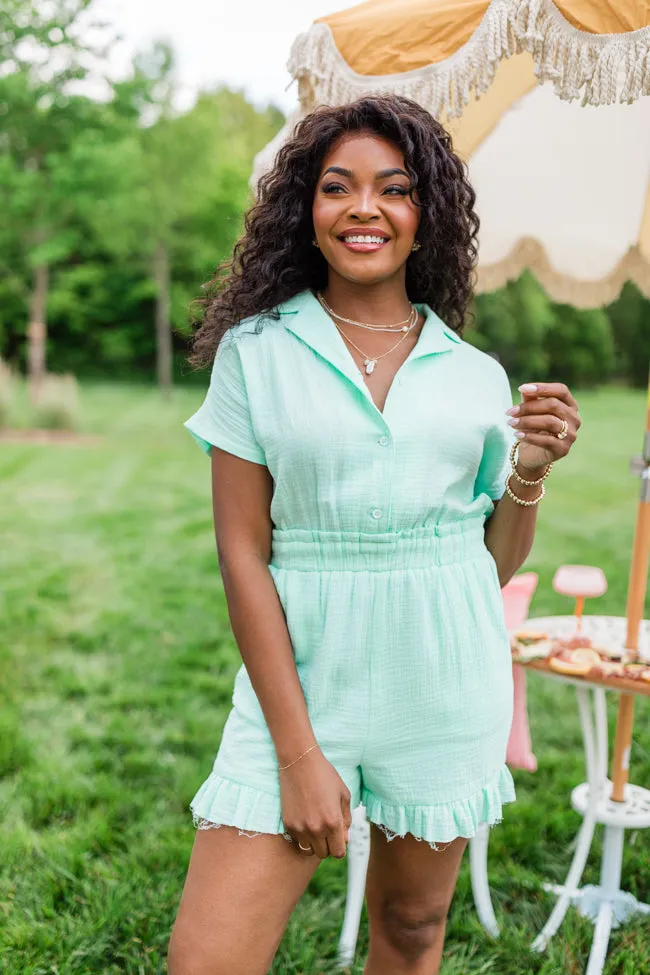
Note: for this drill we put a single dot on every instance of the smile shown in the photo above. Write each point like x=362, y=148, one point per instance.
x=363, y=242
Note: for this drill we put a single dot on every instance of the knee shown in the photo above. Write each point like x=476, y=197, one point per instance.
x=412, y=930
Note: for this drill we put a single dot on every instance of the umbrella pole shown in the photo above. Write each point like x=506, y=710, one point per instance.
x=635, y=612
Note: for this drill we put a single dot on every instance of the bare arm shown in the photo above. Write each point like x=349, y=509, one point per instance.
x=313, y=795
x=510, y=531
x=241, y=498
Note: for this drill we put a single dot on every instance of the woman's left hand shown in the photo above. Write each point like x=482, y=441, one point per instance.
x=546, y=410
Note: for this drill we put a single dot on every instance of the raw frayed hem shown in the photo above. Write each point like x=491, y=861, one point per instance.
x=201, y=823
x=436, y=847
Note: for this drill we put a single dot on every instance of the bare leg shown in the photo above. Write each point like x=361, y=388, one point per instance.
x=408, y=893
x=238, y=896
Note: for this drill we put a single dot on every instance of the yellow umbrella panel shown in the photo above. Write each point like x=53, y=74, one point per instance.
x=439, y=51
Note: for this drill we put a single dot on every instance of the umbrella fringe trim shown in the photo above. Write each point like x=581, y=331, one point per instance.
x=600, y=69
x=579, y=292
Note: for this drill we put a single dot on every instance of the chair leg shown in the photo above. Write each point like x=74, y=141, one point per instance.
x=478, y=854
x=358, y=853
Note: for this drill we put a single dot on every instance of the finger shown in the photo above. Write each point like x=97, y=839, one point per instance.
x=304, y=844
x=558, y=390
x=345, y=806
x=532, y=407
x=319, y=844
x=558, y=448
x=347, y=816
x=541, y=424
x=336, y=842
x=541, y=407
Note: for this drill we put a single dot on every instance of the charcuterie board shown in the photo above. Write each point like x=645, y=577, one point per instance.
x=594, y=654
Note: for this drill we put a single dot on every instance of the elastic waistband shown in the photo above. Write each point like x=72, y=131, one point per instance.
x=306, y=549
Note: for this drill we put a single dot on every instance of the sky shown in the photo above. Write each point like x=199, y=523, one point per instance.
x=243, y=43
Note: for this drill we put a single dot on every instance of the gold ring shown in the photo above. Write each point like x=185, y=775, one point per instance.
x=562, y=435
x=304, y=849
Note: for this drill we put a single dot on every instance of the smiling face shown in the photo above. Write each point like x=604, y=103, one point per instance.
x=364, y=219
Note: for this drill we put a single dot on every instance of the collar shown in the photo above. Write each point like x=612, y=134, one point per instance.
x=307, y=319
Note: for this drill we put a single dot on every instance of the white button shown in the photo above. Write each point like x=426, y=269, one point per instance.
x=383, y=441
x=376, y=513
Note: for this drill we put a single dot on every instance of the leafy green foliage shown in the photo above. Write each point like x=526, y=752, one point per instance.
x=93, y=190
x=581, y=345
x=630, y=317
x=535, y=338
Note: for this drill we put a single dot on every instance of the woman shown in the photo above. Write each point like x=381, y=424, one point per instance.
x=366, y=516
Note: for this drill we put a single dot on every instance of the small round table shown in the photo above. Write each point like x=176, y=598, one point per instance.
x=606, y=904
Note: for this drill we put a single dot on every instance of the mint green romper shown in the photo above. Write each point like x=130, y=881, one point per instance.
x=391, y=598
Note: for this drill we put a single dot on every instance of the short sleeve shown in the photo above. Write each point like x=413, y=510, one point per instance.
x=224, y=418
x=495, y=462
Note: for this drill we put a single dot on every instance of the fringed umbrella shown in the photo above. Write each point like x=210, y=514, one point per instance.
x=561, y=191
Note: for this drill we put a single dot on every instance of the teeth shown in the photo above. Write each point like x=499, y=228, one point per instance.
x=364, y=239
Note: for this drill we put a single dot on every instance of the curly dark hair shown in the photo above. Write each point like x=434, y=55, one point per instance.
x=274, y=259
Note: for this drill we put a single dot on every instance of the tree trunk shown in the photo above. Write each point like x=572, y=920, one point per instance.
x=37, y=330
x=163, y=325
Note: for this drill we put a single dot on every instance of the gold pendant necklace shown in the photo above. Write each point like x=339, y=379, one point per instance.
x=398, y=327
x=369, y=361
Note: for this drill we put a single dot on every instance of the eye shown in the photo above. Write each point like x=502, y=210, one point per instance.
x=397, y=190
x=332, y=187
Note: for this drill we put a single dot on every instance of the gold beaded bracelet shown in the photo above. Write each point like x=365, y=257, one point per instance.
x=525, y=504
x=513, y=464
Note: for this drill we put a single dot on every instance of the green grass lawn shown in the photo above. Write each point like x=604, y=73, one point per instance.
x=117, y=669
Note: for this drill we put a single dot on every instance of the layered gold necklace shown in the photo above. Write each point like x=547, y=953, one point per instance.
x=370, y=362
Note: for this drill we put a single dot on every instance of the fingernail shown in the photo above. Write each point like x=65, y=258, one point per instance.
x=513, y=411
x=513, y=421
x=520, y=434
x=527, y=388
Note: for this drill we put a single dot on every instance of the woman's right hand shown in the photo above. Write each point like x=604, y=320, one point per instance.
x=316, y=806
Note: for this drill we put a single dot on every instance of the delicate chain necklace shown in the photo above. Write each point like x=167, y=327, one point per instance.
x=369, y=362
x=398, y=327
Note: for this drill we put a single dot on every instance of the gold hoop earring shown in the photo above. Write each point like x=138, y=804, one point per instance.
x=416, y=245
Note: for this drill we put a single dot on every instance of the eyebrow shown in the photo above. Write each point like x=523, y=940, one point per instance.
x=382, y=174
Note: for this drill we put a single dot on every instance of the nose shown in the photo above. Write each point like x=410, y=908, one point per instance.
x=364, y=207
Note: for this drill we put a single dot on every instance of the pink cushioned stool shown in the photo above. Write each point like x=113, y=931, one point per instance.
x=517, y=595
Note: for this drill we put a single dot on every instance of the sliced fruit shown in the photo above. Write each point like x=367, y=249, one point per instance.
x=577, y=662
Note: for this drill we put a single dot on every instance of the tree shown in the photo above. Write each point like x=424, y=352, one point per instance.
x=580, y=346
x=630, y=318
x=183, y=188
x=41, y=59
x=513, y=323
